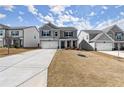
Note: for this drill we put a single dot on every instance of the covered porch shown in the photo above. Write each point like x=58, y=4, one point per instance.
x=67, y=43
x=119, y=45
x=13, y=42
x=17, y=42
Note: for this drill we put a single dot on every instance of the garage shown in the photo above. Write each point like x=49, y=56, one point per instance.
x=49, y=44
x=104, y=46
x=1, y=43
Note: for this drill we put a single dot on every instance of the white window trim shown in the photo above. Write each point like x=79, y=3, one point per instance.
x=45, y=33
x=1, y=32
x=68, y=34
x=13, y=33
x=119, y=36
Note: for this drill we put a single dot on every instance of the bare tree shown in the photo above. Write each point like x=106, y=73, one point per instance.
x=8, y=40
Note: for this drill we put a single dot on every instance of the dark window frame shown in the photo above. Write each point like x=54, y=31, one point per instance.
x=46, y=33
x=68, y=34
x=15, y=33
x=56, y=33
x=1, y=32
x=119, y=35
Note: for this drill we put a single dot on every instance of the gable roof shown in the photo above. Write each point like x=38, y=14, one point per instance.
x=99, y=35
x=96, y=37
x=107, y=29
x=4, y=26
x=17, y=28
x=68, y=28
x=96, y=34
x=20, y=27
x=49, y=26
x=92, y=31
x=54, y=27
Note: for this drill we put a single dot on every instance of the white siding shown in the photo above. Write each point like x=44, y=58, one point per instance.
x=104, y=46
x=83, y=35
x=31, y=37
x=49, y=44
x=1, y=43
x=3, y=33
x=20, y=33
x=1, y=37
x=93, y=45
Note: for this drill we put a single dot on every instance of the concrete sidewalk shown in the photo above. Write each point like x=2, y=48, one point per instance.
x=26, y=69
x=114, y=53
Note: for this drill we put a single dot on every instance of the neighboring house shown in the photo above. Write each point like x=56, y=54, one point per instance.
x=19, y=36
x=52, y=36
x=3, y=29
x=110, y=38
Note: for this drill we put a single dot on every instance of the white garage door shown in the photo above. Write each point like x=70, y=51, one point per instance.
x=104, y=46
x=1, y=43
x=49, y=44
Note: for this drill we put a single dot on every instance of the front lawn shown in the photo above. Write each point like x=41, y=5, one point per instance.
x=72, y=68
x=4, y=51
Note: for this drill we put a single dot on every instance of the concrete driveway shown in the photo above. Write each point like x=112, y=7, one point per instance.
x=26, y=69
x=114, y=53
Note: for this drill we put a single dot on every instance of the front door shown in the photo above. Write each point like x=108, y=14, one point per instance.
x=16, y=43
x=74, y=44
x=116, y=46
x=68, y=44
x=62, y=44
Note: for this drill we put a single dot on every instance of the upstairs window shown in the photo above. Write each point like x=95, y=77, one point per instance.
x=56, y=34
x=1, y=32
x=46, y=33
x=68, y=34
x=119, y=36
x=15, y=33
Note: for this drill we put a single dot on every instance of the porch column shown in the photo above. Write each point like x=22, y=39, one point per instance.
x=3, y=43
x=12, y=42
x=95, y=47
x=71, y=43
x=59, y=44
x=65, y=43
x=76, y=44
x=112, y=46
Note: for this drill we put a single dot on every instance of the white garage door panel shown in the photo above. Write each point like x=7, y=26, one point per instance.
x=104, y=46
x=1, y=43
x=49, y=44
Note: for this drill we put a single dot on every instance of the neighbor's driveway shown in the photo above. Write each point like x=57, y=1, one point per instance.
x=26, y=69
x=114, y=53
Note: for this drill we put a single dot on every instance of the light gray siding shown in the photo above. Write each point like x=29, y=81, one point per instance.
x=84, y=45
x=51, y=29
x=112, y=32
x=104, y=38
x=62, y=34
x=31, y=37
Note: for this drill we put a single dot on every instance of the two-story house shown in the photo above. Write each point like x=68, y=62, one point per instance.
x=19, y=36
x=110, y=38
x=3, y=29
x=52, y=36
x=24, y=36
